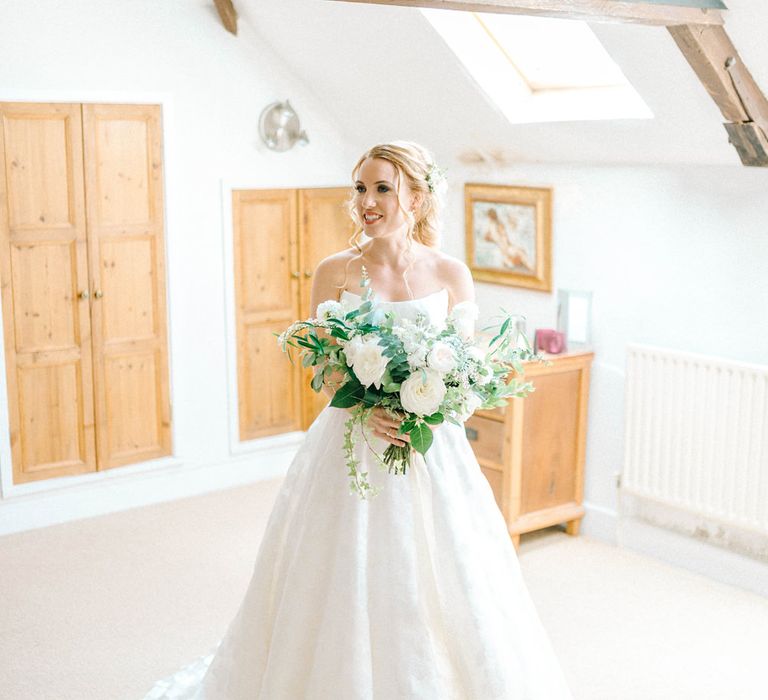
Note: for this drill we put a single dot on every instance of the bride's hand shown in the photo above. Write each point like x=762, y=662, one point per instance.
x=385, y=427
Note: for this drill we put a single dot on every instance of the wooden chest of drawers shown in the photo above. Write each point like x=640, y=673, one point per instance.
x=532, y=450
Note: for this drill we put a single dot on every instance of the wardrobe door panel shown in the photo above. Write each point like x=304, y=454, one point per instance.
x=269, y=401
x=124, y=187
x=326, y=228
x=41, y=190
x=134, y=403
x=124, y=206
x=266, y=302
x=45, y=291
x=128, y=306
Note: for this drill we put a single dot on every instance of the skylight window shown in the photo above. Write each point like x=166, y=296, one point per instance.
x=538, y=69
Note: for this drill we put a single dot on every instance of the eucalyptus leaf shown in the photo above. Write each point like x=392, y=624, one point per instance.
x=317, y=382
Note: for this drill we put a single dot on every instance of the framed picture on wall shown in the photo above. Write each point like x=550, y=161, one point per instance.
x=509, y=235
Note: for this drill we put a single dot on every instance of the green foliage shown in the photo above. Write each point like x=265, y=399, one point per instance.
x=358, y=479
x=435, y=418
x=349, y=395
x=317, y=381
x=421, y=437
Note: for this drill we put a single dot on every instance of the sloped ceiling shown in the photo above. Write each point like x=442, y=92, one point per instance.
x=383, y=73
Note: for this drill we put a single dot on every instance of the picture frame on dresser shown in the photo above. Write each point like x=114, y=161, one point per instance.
x=508, y=234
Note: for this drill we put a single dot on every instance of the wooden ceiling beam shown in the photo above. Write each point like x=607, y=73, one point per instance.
x=228, y=15
x=717, y=63
x=587, y=10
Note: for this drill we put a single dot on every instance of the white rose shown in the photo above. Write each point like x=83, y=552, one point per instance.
x=471, y=404
x=422, y=393
x=351, y=348
x=329, y=309
x=441, y=357
x=369, y=363
x=476, y=353
x=464, y=315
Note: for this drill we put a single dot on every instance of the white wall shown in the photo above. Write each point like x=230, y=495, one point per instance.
x=213, y=87
x=676, y=256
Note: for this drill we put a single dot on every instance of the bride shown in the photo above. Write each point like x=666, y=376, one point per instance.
x=416, y=594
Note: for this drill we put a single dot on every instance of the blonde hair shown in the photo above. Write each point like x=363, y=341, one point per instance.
x=413, y=163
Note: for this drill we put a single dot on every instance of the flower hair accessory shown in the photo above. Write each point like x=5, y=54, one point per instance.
x=435, y=177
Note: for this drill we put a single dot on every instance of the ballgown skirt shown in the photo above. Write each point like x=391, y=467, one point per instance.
x=416, y=594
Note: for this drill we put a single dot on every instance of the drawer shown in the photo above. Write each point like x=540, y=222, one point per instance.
x=487, y=439
x=492, y=413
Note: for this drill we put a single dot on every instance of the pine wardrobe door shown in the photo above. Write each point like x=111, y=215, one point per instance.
x=325, y=228
x=266, y=279
x=124, y=211
x=44, y=281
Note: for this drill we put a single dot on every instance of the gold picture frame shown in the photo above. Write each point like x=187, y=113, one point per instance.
x=509, y=235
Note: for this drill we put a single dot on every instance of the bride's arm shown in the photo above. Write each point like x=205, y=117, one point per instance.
x=457, y=278
x=326, y=281
x=326, y=284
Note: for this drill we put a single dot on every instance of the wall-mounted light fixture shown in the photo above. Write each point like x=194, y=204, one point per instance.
x=279, y=127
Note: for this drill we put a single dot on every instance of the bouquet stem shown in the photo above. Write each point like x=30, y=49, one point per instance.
x=397, y=458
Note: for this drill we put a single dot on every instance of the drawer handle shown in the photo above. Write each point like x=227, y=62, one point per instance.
x=471, y=433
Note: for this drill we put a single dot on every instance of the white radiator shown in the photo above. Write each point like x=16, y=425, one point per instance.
x=697, y=437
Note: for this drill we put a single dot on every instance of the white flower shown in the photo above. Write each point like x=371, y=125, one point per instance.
x=369, y=363
x=329, y=309
x=476, y=353
x=423, y=392
x=471, y=404
x=464, y=315
x=417, y=358
x=351, y=348
x=348, y=304
x=441, y=357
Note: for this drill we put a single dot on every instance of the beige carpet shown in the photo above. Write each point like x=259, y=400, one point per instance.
x=100, y=608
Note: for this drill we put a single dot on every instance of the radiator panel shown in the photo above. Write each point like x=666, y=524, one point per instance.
x=696, y=435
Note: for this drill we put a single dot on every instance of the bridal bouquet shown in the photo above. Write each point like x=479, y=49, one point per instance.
x=412, y=369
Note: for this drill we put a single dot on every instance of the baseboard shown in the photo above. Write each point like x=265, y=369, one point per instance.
x=735, y=568
x=177, y=480
x=715, y=562
x=599, y=523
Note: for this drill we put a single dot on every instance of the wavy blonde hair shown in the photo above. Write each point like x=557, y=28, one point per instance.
x=412, y=163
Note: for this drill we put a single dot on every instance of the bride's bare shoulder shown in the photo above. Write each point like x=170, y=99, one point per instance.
x=333, y=267
x=454, y=275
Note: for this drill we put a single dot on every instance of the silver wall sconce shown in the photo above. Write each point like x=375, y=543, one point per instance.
x=279, y=127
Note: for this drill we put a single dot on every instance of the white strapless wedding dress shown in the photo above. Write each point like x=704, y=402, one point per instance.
x=416, y=594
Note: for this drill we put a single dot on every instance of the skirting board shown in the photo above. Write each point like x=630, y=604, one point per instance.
x=659, y=531
x=31, y=511
x=700, y=556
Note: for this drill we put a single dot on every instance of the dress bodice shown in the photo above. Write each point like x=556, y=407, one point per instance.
x=434, y=306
